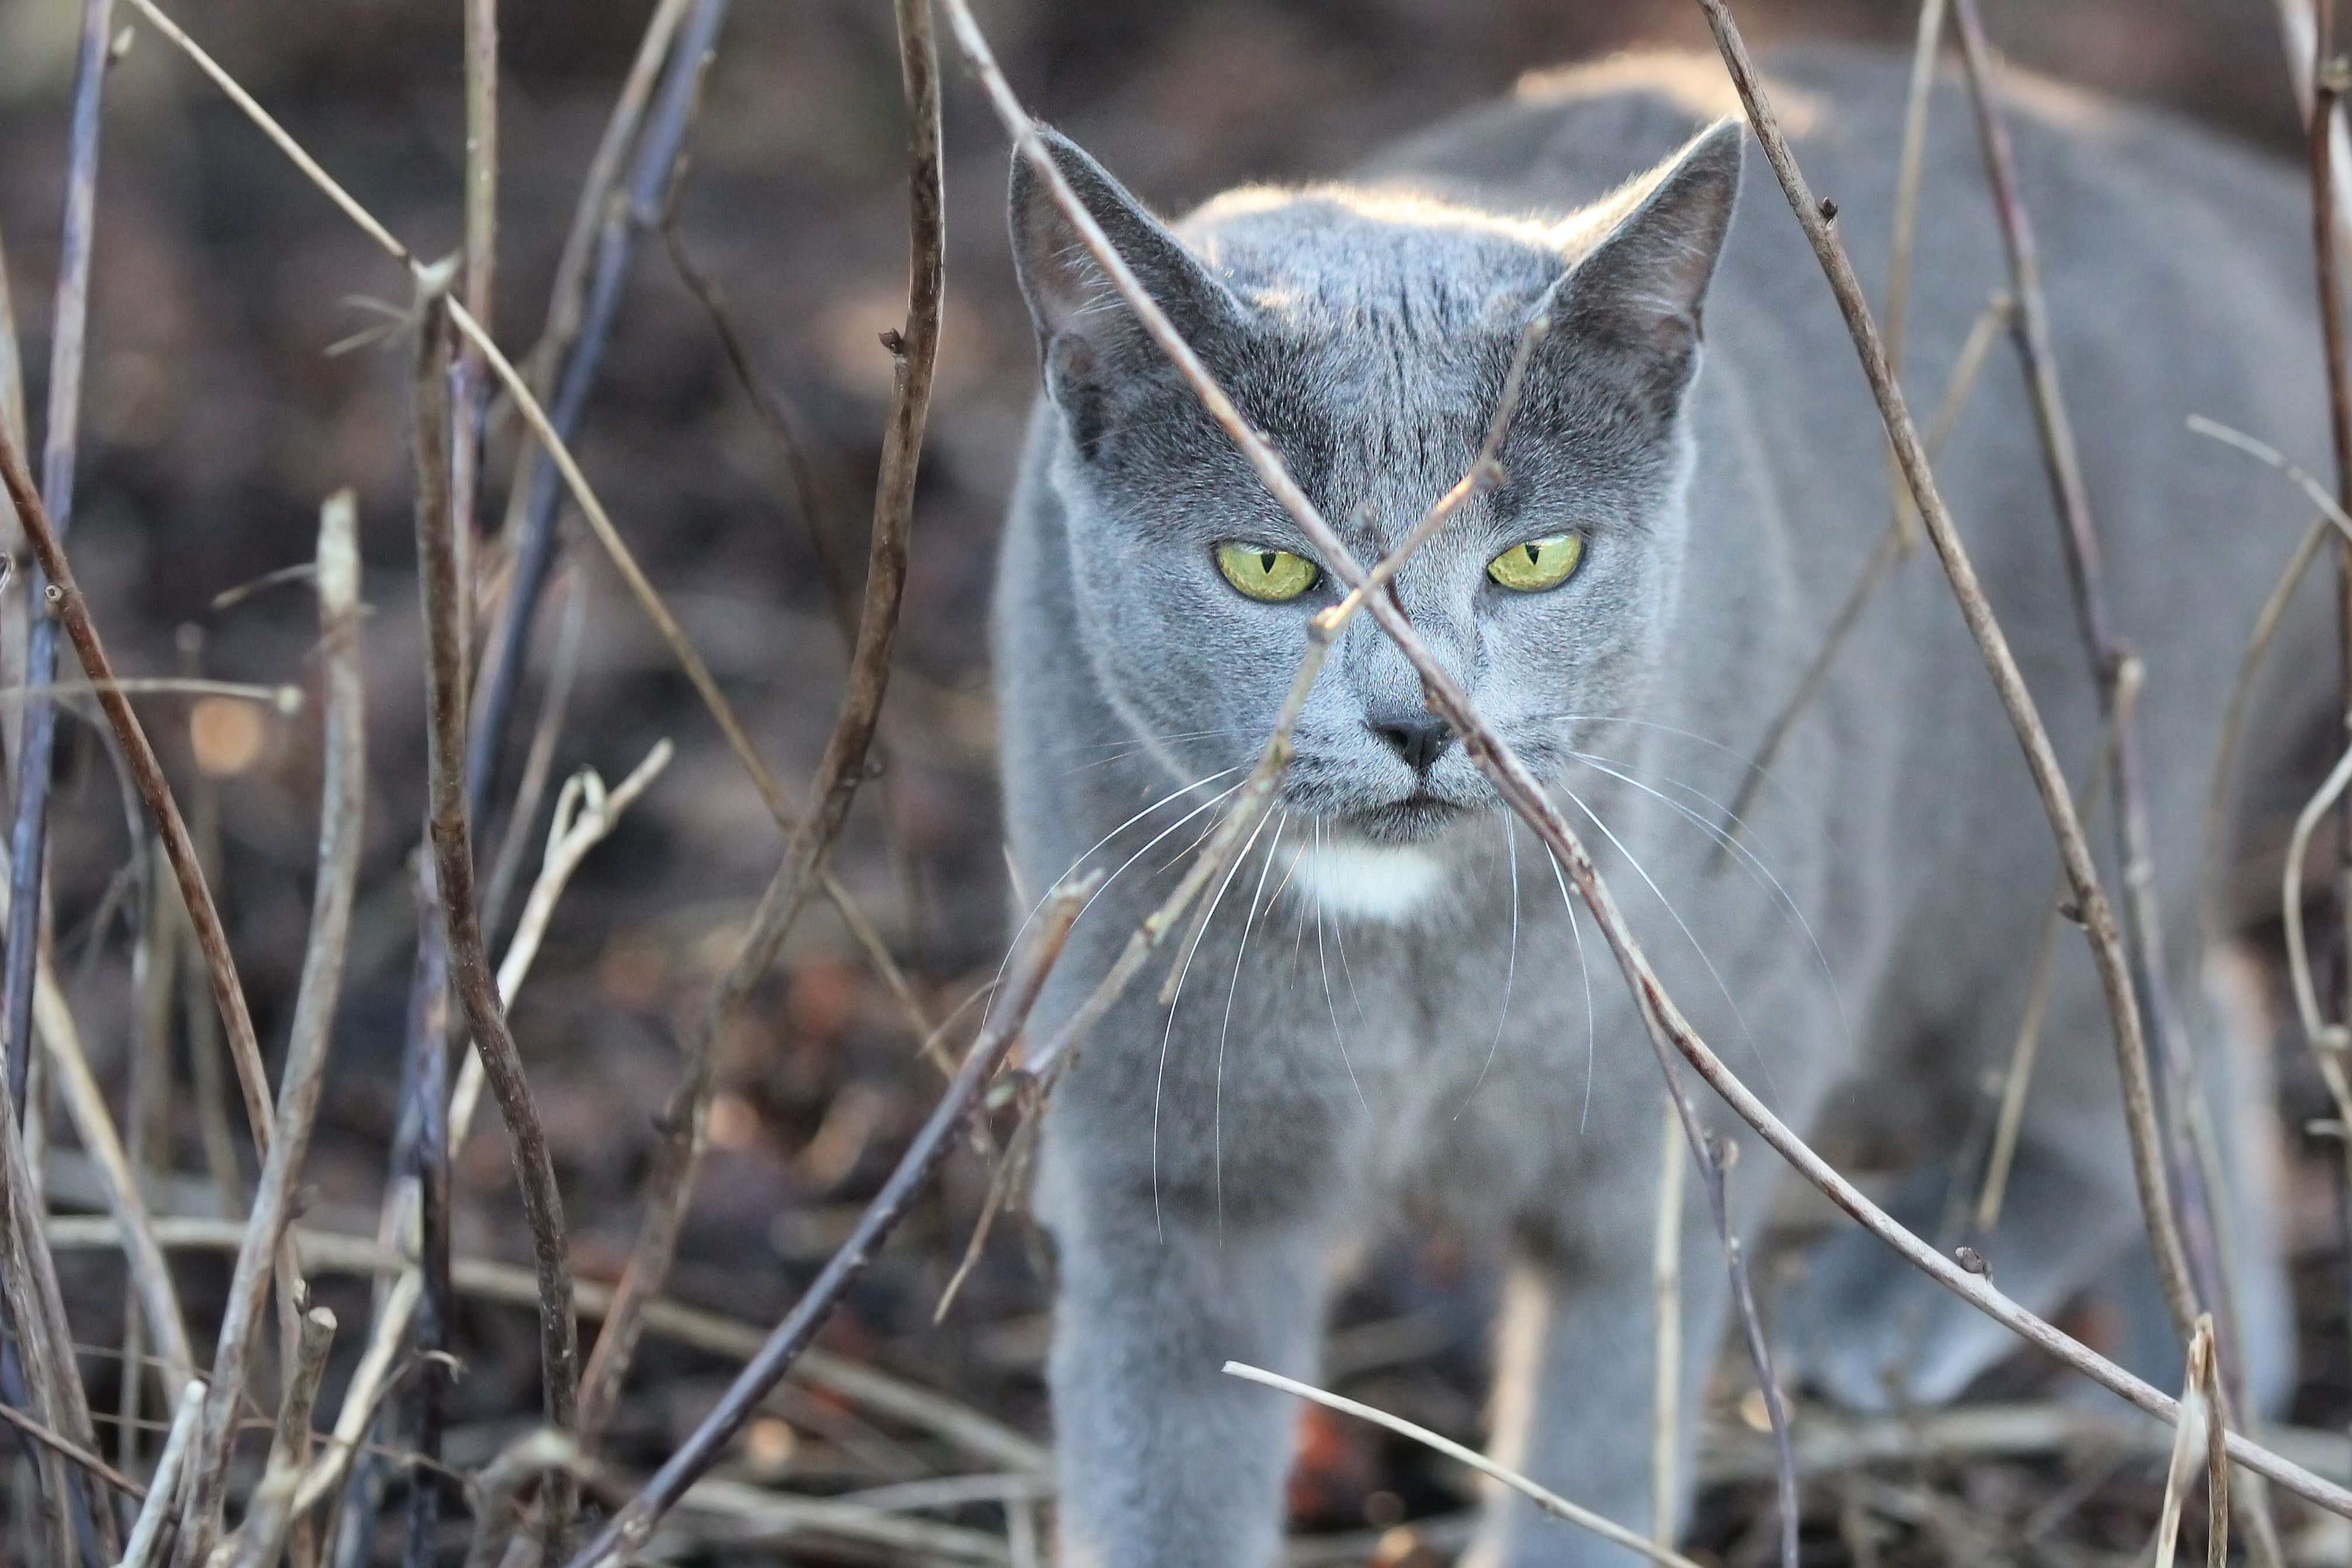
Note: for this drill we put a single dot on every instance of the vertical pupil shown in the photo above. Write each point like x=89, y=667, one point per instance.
x=1265, y=560
x=1535, y=553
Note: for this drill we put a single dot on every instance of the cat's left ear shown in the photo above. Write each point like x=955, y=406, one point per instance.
x=1640, y=286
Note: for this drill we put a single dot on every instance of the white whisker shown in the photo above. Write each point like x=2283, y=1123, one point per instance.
x=1592, y=1032
x=1740, y=1018
x=1226, y=1030
x=1160, y=1083
x=1757, y=872
x=1510, y=965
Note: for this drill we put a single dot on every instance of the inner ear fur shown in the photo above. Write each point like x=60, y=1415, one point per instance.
x=1642, y=285
x=1083, y=327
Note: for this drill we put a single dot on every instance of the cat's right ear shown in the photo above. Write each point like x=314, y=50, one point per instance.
x=1086, y=332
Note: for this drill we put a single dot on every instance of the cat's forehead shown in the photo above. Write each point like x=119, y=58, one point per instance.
x=1336, y=257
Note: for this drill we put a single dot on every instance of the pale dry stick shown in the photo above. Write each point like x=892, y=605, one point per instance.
x=1552, y=1502
x=757, y=1517
x=1910, y=164
x=599, y=522
x=290, y=1443
x=454, y=862
x=2298, y=32
x=2266, y=624
x=1032, y=961
x=86, y=1105
x=2187, y=1266
x=1893, y=545
x=341, y=834
x=328, y=1252
x=685, y=1121
x=2009, y=1120
x=370, y=1382
x=2327, y=82
x=1667, y=1290
x=1663, y=1022
x=285, y=699
x=73, y=1454
x=2328, y=1041
x=2217, y=1483
x=569, y=837
x=493, y=1495
x=586, y=816
x=260, y=1537
x=163, y=1489
x=539, y=761
x=481, y=211
x=2187, y=1442
x=2325, y=1047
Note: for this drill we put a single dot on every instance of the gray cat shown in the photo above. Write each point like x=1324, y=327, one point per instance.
x=1394, y=1014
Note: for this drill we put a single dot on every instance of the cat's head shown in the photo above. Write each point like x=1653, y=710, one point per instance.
x=1367, y=337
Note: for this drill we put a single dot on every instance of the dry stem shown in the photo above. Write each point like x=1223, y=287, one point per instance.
x=843, y=767
x=1552, y=1502
x=341, y=831
x=454, y=863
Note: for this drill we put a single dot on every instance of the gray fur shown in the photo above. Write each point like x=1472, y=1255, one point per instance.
x=1326, y=1074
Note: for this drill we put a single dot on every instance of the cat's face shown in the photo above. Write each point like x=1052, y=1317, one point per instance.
x=1369, y=339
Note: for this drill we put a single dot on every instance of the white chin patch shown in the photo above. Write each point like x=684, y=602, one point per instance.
x=1362, y=882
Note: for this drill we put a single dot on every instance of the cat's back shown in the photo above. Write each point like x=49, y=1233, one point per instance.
x=2092, y=167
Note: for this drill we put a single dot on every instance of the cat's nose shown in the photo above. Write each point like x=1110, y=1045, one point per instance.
x=1420, y=739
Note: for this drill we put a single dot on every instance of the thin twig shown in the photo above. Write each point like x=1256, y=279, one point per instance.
x=2009, y=1121
x=453, y=857
x=1552, y=1502
x=1892, y=546
x=269, y=1512
x=341, y=835
x=327, y=1252
x=94, y=1124
x=72, y=1452
x=1026, y=969
x=2187, y=1442
x=684, y=1123
x=1666, y=1375
x=493, y=1493
x=68, y=338
x=147, y=1530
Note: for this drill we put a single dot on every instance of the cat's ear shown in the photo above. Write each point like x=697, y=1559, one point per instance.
x=1085, y=331
x=1640, y=286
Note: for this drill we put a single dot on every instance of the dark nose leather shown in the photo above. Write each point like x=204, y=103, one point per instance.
x=1421, y=739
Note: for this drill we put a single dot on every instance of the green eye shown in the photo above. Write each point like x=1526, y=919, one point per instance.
x=1538, y=564
x=1266, y=573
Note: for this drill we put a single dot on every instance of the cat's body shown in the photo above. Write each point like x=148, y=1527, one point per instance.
x=1341, y=1055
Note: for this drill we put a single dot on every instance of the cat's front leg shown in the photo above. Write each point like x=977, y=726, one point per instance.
x=1164, y=1461
x=1576, y=1370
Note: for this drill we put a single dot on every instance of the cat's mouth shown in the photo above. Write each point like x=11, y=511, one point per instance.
x=1415, y=819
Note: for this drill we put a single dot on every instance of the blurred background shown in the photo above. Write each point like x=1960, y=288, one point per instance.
x=218, y=415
